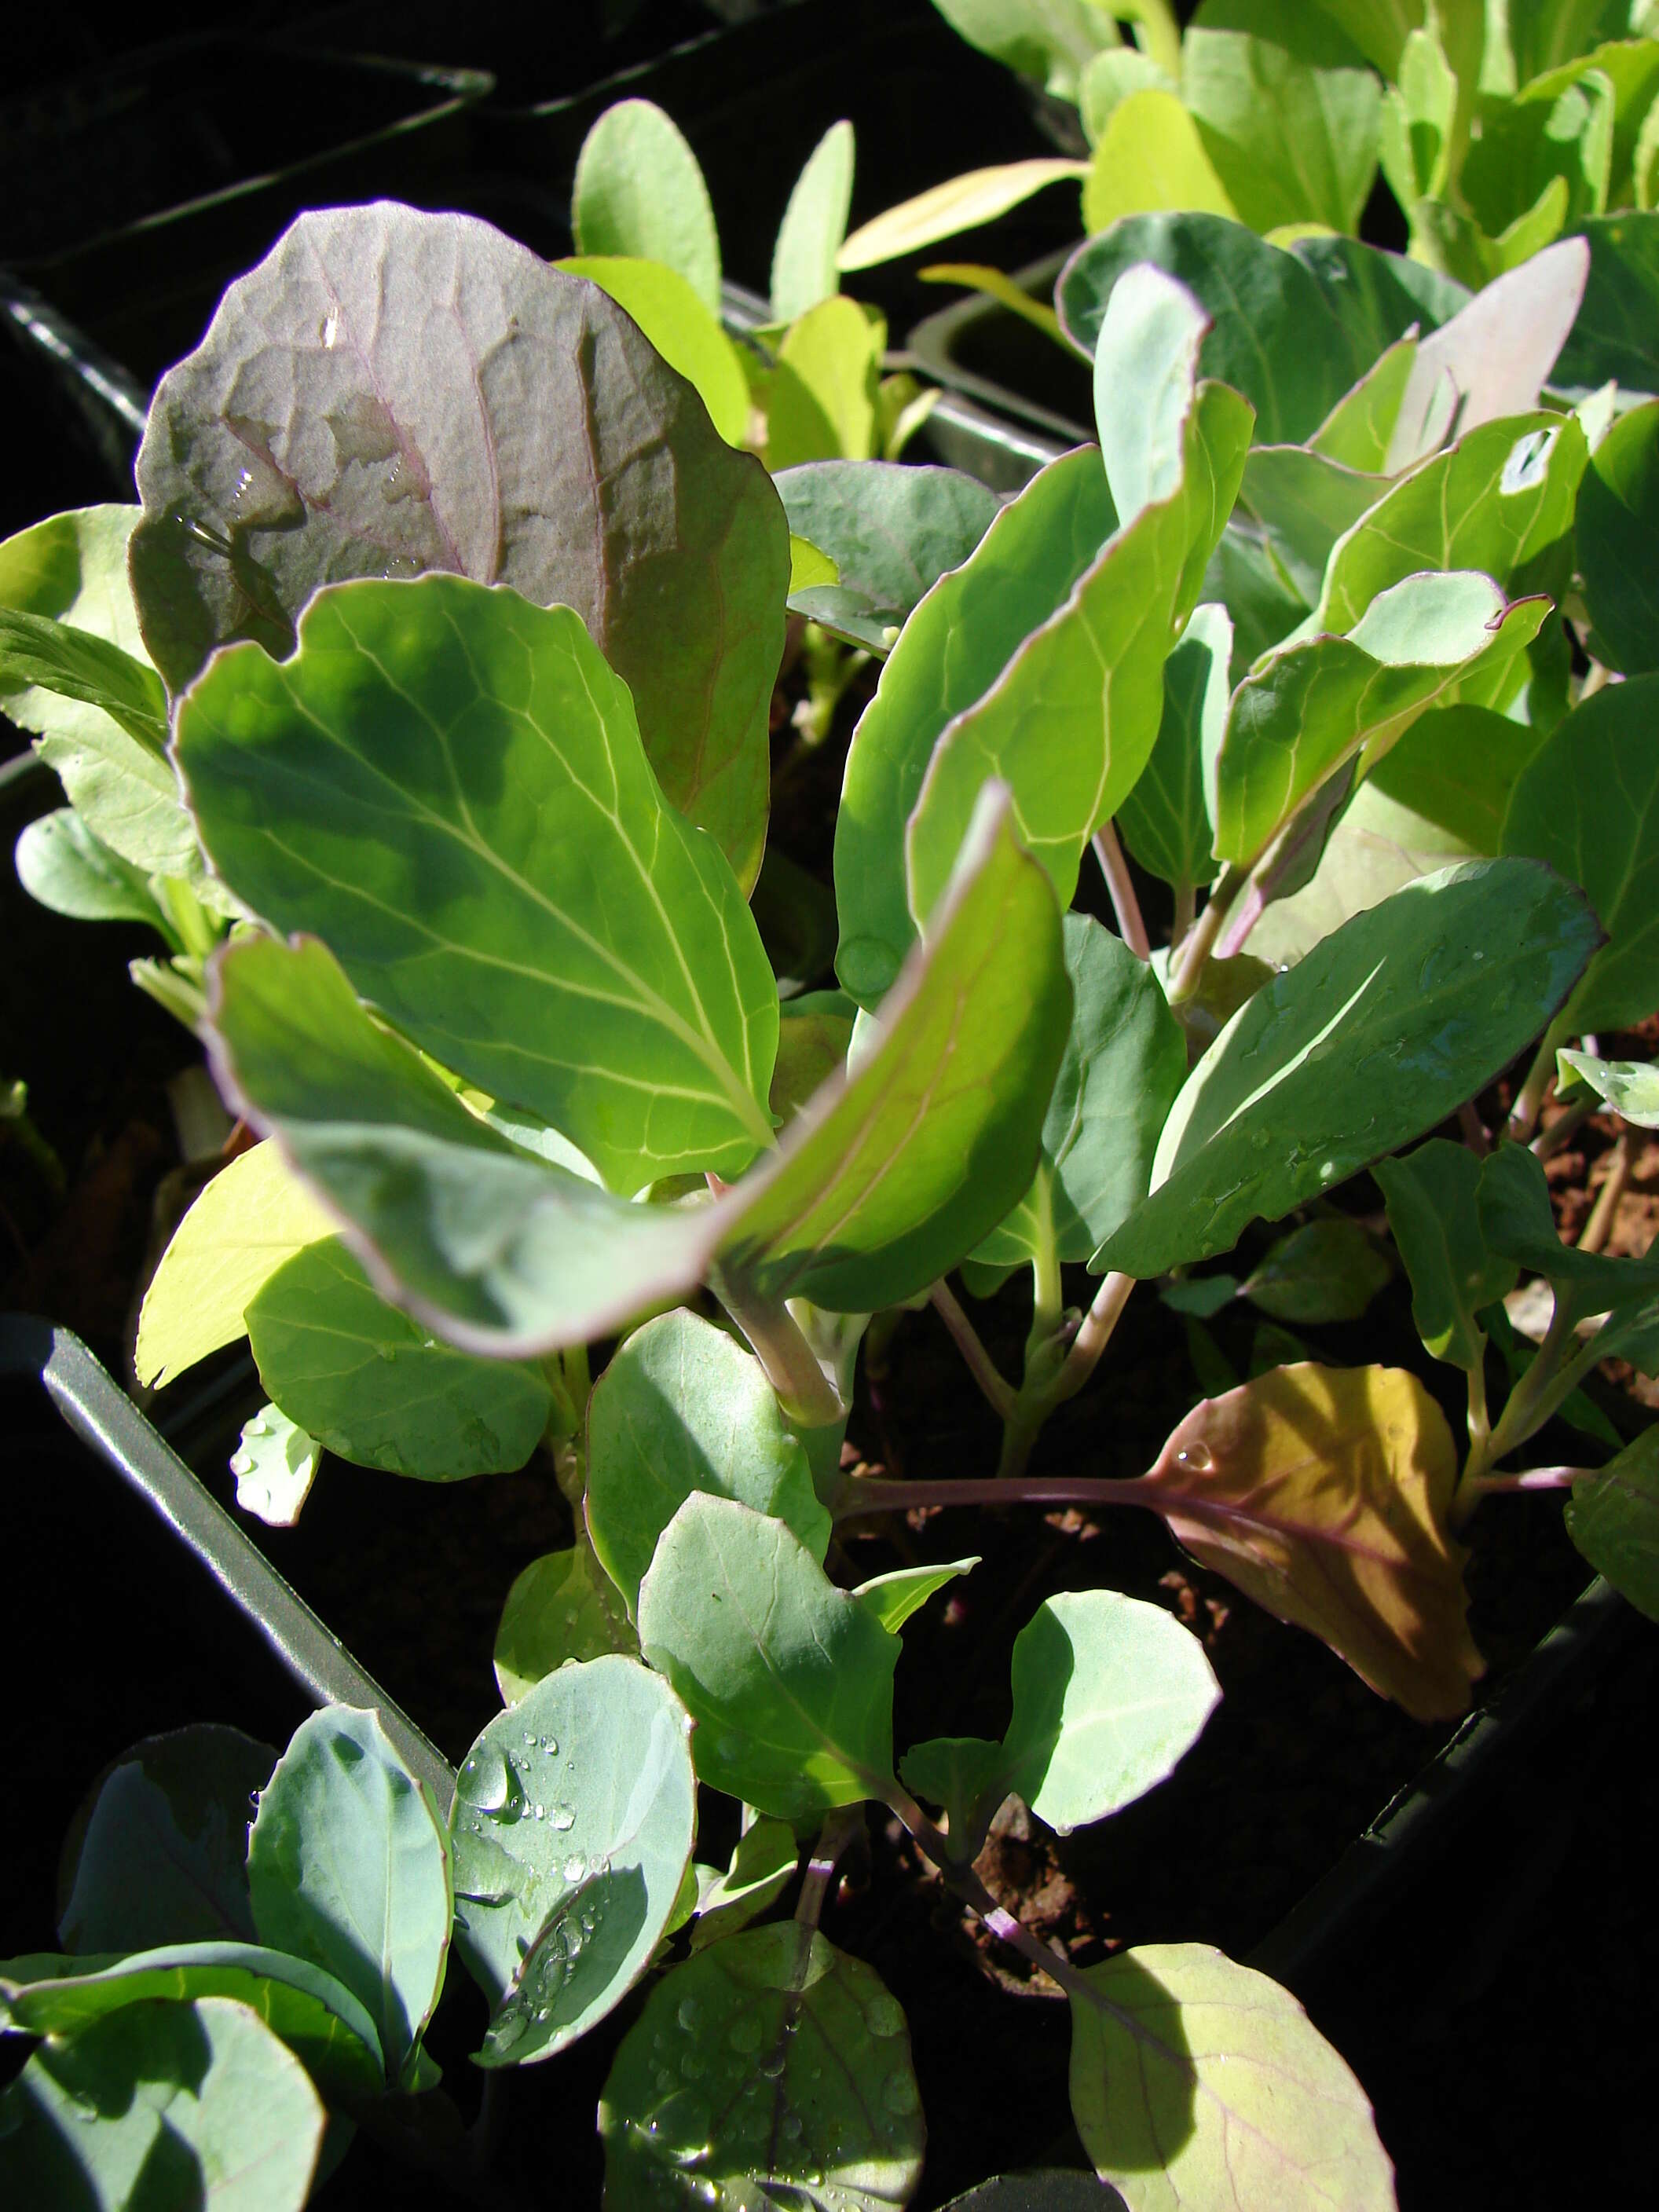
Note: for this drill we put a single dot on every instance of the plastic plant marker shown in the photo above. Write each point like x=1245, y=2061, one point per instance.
x=889, y=1179
x=562, y=1606
x=1196, y=2081
x=892, y=1598
x=1613, y=336
x=683, y=1408
x=1617, y=510
x=1324, y=1271
x=504, y=1254
x=163, y=1855
x=1382, y=1029
x=1323, y=1493
x=1073, y=719
x=949, y=655
x=340, y=419
x=1613, y=1517
x=348, y=1866
x=275, y=1464
x=789, y=1678
x=314, y=2013
x=891, y=530
x=1313, y=707
x=1631, y=1087
x=685, y=332
x=367, y=1381
x=1124, y=1063
x=205, y=2087
x=63, y=865
x=769, y=2062
x=1151, y=154
x=254, y=1215
x=821, y=397
x=1165, y=819
x=814, y=228
x=572, y=1827
x=500, y=871
x=1587, y=802
x=639, y=191
x=962, y=204
x=1109, y=1694
x=766, y=1857
x=1431, y=1196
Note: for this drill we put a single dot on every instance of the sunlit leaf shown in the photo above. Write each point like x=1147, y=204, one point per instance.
x=275, y=1464
x=963, y=203
x=639, y=191
x=1631, y=1087
x=823, y=395
x=683, y=330
x=894, y=1597
x=814, y=228
x=766, y=1857
x=1150, y=155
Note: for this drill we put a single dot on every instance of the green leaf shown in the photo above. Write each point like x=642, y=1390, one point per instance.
x=1197, y=2081
x=254, y=1215
x=814, y=228
x=959, y=1773
x=505, y=1253
x=1286, y=109
x=1616, y=335
x=979, y=196
x=1432, y=1198
x=1613, y=1518
x=1629, y=1087
x=1383, y=1029
x=1587, y=802
x=769, y=2068
x=1312, y=708
x=347, y=1864
x=572, y=1827
x=1110, y=1693
x=683, y=1408
x=1547, y=132
x=948, y=656
x=275, y=1464
x=1303, y=504
x=162, y=1857
x=202, y=2092
x=1049, y=40
x=639, y=191
x=898, y=1170
x=1150, y=155
x=561, y=1607
x=1073, y=720
x=766, y=1857
x=1359, y=430
x=1246, y=579
x=894, y=1597
x=891, y=531
x=1618, y=519
x=789, y=1678
x=335, y=423
x=1124, y=1060
x=1109, y=78
x=1500, y=498
x=812, y=1044
x=376, y=1387
x=496, y=869
x=1165, y=820
x=38, y=654
x=1517, y=1221
x=821, y=401
x=1324, y=1271
x=1455, y=768
x=685, y=332
x=63, y=865
x=311, y=2010
x=1377, y=296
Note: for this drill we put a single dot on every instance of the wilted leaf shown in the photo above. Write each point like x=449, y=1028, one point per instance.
x=1322, y=1493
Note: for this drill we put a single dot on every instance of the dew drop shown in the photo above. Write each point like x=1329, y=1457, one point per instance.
x=562, y=1818
x=690, y=2013
x=331, y=330
x=1196, y=1459
x=772, y=2065
x=789, y=2125
x=884, y=2014
x=575, y=1866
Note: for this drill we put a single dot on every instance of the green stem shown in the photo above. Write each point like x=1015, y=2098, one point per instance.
x=1200, y=941
x=1055, y=1371
x=1552, y=1376
x=959, y=1874
x=1529, y=1100
x=998, y=1393
x=834, y=1837
x=805, y=1393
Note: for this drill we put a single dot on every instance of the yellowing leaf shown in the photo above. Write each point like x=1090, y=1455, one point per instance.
x=254, y=1216
x=960, y=203
x=1150, y=156
x=1322, y=1493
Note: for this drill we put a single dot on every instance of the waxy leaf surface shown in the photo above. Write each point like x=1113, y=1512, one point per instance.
x=1382, y=1029
x=63, y=865
x=949, y=655
x=789, y=1680
x=769, y=2068
x=1587, y=802
x=348, y=1866
x=375, y=1387
x=1196, y=2082
x=893, y=1174
x=157, y=2086
x=391, y=391
x=572, y=1826
x=1431, y=1196
x=447, y=784
x=891, y=531
x=683, y=1408
x=1322, y=1493
x=1613, y=1518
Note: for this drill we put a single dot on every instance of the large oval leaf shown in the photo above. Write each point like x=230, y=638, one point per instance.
x=573, y=1821
x=348, y=1866
x=771, y=2067
x=447, y=784
x=789, y=1678
x=639, y=191
x=1383, y=1028
x=391, y=391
